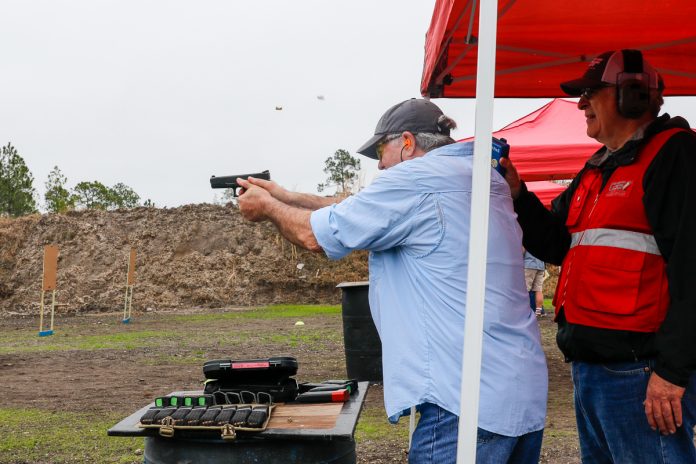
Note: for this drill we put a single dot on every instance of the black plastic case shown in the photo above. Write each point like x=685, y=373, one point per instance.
x=250, y=371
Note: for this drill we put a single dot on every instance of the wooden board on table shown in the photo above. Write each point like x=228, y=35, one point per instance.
x=305, y=416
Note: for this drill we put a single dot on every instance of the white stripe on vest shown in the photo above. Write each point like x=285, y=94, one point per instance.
x=625, y=239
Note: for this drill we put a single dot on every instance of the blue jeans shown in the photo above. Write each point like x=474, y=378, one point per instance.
x=435, y=441
x=611, y=418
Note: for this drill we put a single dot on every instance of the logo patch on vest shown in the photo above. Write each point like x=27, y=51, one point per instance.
x=620, y=188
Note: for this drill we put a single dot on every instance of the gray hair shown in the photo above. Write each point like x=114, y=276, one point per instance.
x=427, y=141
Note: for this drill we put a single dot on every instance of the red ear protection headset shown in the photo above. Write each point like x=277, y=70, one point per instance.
x=632, y=87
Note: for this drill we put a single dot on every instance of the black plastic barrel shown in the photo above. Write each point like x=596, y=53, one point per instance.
x=160, y=450
x=362, y=344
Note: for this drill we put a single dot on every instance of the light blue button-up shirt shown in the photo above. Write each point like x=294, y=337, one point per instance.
x=414, y=219
x=532, y=262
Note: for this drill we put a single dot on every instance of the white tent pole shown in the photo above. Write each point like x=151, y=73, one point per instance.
x=411, y=425
x=478, y=239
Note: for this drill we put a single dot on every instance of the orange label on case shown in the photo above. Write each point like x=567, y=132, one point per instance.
x=250, y=365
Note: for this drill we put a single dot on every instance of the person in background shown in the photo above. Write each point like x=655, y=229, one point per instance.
x=626, y=296
x=534, y=270
x=414, y=220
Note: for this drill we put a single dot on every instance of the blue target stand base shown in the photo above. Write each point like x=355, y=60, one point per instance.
x=46, y=332
x=127, y=305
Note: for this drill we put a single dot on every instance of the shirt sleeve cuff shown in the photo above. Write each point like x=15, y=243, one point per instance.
x=320, y=220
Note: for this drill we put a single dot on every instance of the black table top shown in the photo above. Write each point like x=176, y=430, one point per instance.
x=343, y=429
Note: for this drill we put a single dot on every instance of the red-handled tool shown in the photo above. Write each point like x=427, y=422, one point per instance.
x=337, y=396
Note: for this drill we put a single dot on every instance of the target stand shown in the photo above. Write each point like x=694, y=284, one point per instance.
x=130, y=283
x=50, y=266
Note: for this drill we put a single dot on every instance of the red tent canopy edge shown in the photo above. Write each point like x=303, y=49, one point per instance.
x=539, y=45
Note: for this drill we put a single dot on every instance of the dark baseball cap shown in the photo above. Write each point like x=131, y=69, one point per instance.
x=414, y=115
x=607, y=69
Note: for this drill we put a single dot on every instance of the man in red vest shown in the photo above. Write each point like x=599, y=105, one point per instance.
x=624, y=234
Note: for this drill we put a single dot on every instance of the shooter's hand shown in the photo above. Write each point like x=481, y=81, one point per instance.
x=276, y=191
x=253, y=201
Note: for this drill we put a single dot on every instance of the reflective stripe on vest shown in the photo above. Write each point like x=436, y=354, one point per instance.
x=625, y=239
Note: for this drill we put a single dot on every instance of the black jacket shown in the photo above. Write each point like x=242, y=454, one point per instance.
x=670, y=206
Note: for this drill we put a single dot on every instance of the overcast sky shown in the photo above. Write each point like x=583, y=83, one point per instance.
x=161, y=94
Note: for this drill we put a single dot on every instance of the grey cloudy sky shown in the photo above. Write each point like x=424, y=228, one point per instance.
x=161, y=94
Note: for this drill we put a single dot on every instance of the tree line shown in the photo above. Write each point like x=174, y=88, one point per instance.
x=18, y=196
x=343, y=173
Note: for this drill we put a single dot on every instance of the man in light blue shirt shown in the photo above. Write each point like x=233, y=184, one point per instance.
x=534, y=270
x=414, y=219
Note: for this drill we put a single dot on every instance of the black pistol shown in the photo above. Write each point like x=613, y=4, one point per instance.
x=230, y=182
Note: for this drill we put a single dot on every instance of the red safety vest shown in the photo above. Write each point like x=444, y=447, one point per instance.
x=614, y=276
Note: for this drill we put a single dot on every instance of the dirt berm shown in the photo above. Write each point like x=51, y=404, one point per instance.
x=191, y=256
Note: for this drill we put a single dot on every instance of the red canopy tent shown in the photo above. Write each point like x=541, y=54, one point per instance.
x=549, y=143
x=526, y=50
x=543, y=42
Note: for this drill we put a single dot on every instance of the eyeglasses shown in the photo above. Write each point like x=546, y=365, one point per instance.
x=379, y=149
x=590, y=92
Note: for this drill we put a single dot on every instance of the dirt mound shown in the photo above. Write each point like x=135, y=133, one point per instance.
x=191, y=256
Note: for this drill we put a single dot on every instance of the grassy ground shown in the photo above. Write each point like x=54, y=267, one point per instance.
x=65, y=391
x=35, y=435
